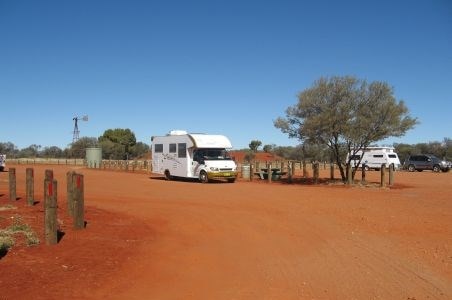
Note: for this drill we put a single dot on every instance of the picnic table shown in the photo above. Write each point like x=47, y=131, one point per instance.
x=275, y=173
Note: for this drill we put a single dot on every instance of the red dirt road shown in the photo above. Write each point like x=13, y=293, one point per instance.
x=148, y=238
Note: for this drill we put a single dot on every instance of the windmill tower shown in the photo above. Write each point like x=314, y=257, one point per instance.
x=76, y=132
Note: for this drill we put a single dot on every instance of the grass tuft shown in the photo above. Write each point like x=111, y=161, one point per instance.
x=17, y=227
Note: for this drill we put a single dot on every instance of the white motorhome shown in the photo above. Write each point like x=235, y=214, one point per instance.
x=374, y=157
x=194, y=155
x=2, y=162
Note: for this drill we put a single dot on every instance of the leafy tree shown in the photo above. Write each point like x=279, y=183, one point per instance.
x=9, y=149
x=268, y=148
x=254, y=145
x=111, y=150
x=31, y=151
x=124, y=137
x=77, y=149
x=347, y=115
x=52, y=152
x=139, y=150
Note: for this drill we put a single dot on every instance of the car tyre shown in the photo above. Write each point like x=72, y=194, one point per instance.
x=167, y=175
x=203, y=177
x=436, y=168
x=411, y=168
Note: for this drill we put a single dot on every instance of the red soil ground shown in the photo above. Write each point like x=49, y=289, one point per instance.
x=147, y=238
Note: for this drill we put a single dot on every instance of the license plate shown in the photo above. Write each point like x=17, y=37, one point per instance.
x=226, y=174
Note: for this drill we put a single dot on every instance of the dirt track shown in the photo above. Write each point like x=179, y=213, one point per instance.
x=148, y=238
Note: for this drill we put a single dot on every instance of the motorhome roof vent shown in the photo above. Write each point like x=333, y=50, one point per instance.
x=177, y=132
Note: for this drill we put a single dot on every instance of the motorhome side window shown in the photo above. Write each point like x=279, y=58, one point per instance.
x=356, y=157
x=158, y=148
x=181, y=150
x=392, y=155
x=172, y=148
x=378, y=155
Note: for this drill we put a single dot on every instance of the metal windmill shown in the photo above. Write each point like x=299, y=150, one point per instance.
x=75, y=135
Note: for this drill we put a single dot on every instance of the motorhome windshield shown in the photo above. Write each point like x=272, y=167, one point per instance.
x=210, y=154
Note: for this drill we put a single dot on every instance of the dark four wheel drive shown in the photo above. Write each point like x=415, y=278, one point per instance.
x=425, y=162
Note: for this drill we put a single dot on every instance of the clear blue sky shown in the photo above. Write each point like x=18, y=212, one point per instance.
x=225, y=67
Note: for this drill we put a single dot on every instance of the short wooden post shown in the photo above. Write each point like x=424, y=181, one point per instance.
x=349, y=175
x=30, y=186
x=305, y=172
x=79, y=202
x=48, y=175
x=290, y=166
x=269, y=172
x=251, y=171
x=70, y=192
x=12, y=184
x=50, y=204
x=316, y=166
x=363, y=174
x=391, y=174
x=383, y=175
x=332, y=171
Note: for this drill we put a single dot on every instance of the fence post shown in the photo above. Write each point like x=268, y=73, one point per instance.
x=290, y=165
x=332, y=171
x=251, y=171
x=383, y=175
x=30, y=187
x=50, y=204
x=269, y=172
x=316, y=166
x=305, y=172
x=349, y=175
x=363, y=174
x=391, y=174
x=12, y=184
x=79, y=202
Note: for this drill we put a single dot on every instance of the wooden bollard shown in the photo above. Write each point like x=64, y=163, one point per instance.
x=316, y=167
x=391, y=174
x=363, y=174
x=383, y=175
x=12, y=184
x=30, y=186
x=251, y=171
x=305, y=172
x=50, y=204
x=70, y=192
x=349, y=175
x=79, y=202
x=332, y=171
x=290, y=167
x=269, y=172
x=48, y=175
